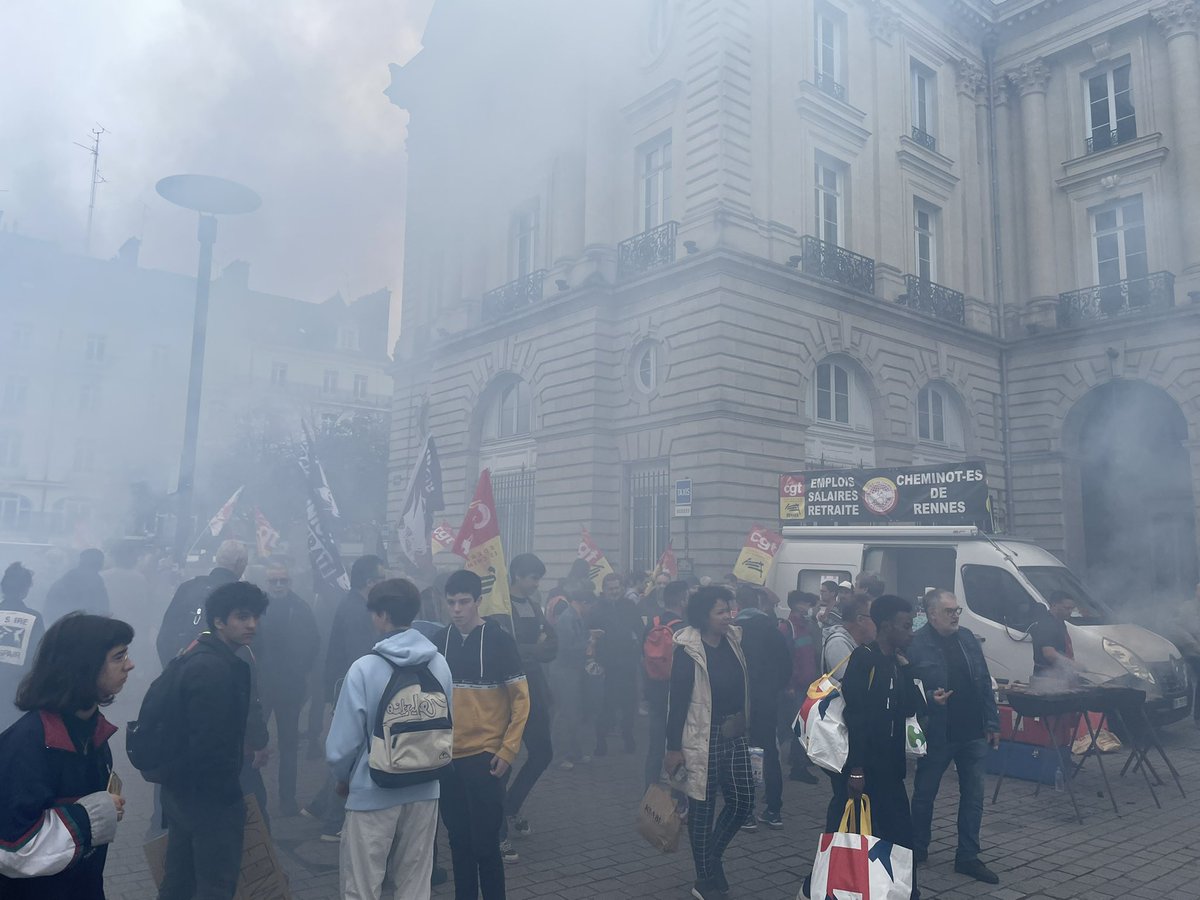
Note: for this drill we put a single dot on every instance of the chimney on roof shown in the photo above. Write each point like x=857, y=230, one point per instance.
x=236, y=274
x=128, y=252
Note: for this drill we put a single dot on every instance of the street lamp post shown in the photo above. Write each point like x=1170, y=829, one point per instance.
x=208, y=196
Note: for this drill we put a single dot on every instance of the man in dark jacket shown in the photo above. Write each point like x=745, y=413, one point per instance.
x=81, y=588
x=184, y=619
x=202, y=800
x=880, y=694
x=21, y=629
x=619, y=653
x=947, y=656
x=287, y=651
x=768, y=670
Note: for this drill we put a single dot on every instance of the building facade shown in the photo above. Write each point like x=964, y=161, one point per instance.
x=723, y=239
x=94, y=374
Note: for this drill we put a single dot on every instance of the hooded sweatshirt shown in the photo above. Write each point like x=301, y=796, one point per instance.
x=346, y=748
x=836, y=647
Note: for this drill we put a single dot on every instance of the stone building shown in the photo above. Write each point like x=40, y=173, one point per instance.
x=94, y=359
x=721, y=239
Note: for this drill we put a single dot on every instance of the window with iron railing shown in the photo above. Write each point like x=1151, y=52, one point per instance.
x=514, y=496
x=649, y=517
x=1111, y=119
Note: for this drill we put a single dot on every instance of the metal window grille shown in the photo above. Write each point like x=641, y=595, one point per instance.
x=513, y=492
x=649, y=517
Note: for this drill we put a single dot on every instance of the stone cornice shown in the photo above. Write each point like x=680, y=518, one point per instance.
x=1177, y=17
x=969, y=78
x=1030, y=78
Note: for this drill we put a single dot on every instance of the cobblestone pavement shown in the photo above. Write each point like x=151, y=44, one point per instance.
x=584, y=844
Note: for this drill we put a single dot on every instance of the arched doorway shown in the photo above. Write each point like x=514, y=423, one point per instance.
x=1135, y=478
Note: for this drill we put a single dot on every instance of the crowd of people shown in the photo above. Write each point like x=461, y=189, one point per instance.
x=719, y=670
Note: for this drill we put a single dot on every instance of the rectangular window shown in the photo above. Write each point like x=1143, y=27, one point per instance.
x=89, y=398
x=925, y=224
x=833, y=394
x=330, y=383
x=348, y=338
x=95, y=348
x=655, y=174
x=931, y=416
x=910, y=571
x=16, y=393
x=1110, y=115
x=1119, y=234
x=279, y=373
x=360, y=387
x=924, y=101
x=828, y=52
x=649, y=517
x=524, y=240
x=514, y=496
x=829, y=190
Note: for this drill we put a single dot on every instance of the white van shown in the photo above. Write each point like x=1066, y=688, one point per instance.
x=1003, y=583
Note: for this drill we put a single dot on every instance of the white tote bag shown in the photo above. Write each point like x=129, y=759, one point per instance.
x=854, y=864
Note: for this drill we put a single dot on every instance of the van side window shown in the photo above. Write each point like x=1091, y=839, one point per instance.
x=810, y=579
x=908, y=571
x=995, y=594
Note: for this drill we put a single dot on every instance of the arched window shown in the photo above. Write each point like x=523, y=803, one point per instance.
x=833, y=393
x=938, y=417
x=15, y=511
x=645, y=367
x=510, y=414
x=843, y=419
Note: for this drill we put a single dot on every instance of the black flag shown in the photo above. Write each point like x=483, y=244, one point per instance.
x=424, y=498
x=329, y=573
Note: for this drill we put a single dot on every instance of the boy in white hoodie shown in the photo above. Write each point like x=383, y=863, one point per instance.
x=388, y=830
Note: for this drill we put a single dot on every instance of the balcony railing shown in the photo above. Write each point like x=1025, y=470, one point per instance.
x=514, y=296
x=924, y=138
x=825, y=83
x=647, y=250
x=825, y=260
x=933, y=299
x=1122, y=298
x=1103, y=140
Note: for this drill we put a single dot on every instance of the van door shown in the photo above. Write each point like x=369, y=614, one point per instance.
x=1000, y=610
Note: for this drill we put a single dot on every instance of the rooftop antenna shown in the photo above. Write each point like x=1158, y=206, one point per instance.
x=97, y=178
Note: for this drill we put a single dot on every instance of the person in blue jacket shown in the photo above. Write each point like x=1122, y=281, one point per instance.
x=57, y=816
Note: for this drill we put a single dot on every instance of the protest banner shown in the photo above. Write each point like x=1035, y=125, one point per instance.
x=478, y=542
x=598, y=564
x=754, y=562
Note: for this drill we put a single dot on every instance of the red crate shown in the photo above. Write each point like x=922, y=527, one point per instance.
x=1034, y=730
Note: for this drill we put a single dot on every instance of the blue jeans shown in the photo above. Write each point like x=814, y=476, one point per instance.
x=969, y=758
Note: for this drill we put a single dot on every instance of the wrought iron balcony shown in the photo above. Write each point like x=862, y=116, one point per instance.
x=829, y=261
x=1103, y=140
x=825, y=83
x=514, y=296
x=1122, y=298
x=647, y=250
x=924, y=138
x=933, y=299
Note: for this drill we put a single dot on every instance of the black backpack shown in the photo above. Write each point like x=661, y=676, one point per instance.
x=157, y=742
x=412, y=740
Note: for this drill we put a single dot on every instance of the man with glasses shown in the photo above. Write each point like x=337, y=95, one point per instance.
x=288, y=642
x=946, y=656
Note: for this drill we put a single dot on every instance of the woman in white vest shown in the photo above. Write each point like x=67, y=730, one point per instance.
x=706, y=733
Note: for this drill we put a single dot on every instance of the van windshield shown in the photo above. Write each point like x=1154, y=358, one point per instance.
x=1048, y=579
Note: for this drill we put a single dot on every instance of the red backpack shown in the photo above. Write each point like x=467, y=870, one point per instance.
x=659, y=649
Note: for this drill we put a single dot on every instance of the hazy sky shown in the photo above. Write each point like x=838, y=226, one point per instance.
x=283, y=95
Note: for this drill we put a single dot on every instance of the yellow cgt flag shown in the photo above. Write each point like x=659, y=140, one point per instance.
x=478, y=542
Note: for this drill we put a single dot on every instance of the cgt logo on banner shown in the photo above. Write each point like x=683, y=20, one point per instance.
x=598, y=564
x=754, y=562
x=441, y=540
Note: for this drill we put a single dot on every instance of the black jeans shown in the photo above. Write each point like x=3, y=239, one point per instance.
x=656, y=741
x=539, y=748
x=763, y=734
x=620, y=703
x=286, y=710
x=204, y=850
x=729, y=777
x=472, y=806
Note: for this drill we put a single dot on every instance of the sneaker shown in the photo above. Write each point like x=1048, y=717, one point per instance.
x=771, y=819
x=566, y=765
x=287, y=809
x=309, y=814
x=508, y=853
x=331, y=838
x=519, y=826
x=750, y=825
x=708, y=890
x=977, y=870
x=802, y=775
x=585, y=758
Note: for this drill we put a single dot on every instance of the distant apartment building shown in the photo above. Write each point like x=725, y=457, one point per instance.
x=94, y=358
x=723, y=239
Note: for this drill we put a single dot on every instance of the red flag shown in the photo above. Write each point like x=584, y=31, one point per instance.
x=667, y=563
x=478, y=542
x=266, y=536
